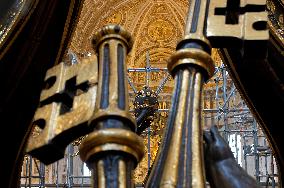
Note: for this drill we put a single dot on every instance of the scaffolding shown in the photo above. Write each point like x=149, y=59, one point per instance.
x=223, y=106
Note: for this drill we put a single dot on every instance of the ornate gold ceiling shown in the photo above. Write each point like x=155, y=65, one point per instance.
x=156, y=26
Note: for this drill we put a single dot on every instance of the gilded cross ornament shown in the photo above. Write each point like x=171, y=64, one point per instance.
x=65, y=107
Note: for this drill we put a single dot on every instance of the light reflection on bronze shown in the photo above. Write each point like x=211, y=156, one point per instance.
x=122, y=174
x=197, y=138
x=180, y=158
x=113, y=140
x=101, y=175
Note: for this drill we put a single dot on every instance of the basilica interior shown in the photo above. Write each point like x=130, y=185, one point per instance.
x=156, y=27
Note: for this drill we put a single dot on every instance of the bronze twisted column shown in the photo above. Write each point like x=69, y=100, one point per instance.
x=113, y=149
x=180, y=159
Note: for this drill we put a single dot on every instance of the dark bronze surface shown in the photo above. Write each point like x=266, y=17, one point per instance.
x=260, y=80
x=9, y=11
x=256, y=67
x=36, y=42
x=261, y=88
x=5, y=6
x=222, y=170
x=145, y=105
x=179, y=162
